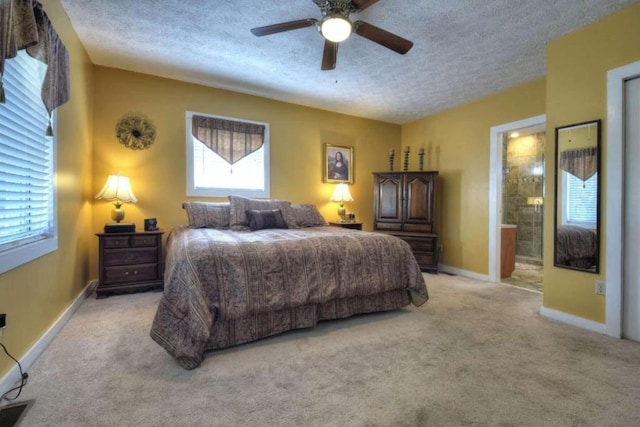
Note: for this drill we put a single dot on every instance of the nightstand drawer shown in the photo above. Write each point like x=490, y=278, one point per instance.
x=139, y=241
x=131, y=273
x=115, y=241
x=130, y=256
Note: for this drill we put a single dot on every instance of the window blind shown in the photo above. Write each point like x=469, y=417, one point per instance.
x=582, y=200
x=26, y=157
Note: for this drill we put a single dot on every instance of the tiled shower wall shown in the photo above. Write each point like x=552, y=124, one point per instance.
x=523, y=169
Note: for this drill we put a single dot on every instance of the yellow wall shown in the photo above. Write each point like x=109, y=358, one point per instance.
x=34, y=295
x=577, y=66
x=456, y=143
x=158, y=174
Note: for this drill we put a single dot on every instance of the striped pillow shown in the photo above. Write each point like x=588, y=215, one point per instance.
x=207, y=214
x=307, y=215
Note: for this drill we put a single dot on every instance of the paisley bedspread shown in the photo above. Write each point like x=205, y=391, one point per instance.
x=226, y=287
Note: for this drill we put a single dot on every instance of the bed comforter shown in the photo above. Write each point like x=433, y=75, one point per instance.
x=576, y=246
x=226, y=287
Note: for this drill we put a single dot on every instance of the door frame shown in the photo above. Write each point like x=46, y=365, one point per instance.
x=495, y=187
x=616, y=79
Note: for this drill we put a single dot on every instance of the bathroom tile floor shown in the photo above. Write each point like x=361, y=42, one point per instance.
x=528, y=276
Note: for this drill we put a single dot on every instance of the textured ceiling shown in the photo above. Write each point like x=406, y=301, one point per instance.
x=463, y=49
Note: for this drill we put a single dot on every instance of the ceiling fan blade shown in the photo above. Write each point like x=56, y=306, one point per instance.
x=382, y=37
x=320, y=3
x=330, y=55
x=283, y=26
x=362, y=4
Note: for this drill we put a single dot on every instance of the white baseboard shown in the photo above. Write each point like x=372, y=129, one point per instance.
x=465, y=273
x=12, y=378
x=570, y=319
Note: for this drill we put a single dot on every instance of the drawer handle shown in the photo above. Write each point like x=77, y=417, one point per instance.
x=117, y=242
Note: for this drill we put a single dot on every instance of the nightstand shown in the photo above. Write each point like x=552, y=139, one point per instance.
x=130, y=262
x=351, y=225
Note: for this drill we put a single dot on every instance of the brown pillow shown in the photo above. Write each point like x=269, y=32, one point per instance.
x=307, y=215
x=207, y=214
x=259, y=220
x=240, y=205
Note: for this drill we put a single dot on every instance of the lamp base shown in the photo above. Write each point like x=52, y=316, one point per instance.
x=120, y=227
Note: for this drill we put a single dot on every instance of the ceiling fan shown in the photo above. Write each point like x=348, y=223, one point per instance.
x=335, y=26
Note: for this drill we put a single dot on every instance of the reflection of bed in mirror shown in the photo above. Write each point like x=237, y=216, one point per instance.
x=576, y=246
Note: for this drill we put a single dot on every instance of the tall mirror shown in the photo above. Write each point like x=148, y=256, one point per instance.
x=577, y=216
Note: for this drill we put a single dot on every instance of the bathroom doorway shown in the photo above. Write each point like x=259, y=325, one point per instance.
x=517, y=199
x=522, y=204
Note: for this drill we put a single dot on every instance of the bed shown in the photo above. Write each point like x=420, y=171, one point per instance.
x=228, y=283
x=576, y=246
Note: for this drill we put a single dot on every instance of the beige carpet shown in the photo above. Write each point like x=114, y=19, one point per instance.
x=477, y=354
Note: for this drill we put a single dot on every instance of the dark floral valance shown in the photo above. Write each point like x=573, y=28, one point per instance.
x=230, y=139
x=581, y=163
x=25, y=25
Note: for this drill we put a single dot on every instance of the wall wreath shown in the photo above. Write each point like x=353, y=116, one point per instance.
x=135, y=131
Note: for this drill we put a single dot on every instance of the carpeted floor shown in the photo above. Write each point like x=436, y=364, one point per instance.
x=476, y=354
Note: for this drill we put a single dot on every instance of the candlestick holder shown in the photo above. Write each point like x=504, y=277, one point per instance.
x=391, y=157
x=405, y=165
x=421, y=160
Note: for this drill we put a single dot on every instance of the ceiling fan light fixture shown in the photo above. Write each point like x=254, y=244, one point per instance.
x=336, y=28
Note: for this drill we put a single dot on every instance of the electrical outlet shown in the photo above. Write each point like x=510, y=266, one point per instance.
x=601, y=287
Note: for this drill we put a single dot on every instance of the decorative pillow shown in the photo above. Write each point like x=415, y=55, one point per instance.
x=240, y=205
x=259, y=220
x=307, y=215
x=207, y=214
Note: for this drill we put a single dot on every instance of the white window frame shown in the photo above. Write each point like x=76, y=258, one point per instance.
x=193, y=191
x=29, y=250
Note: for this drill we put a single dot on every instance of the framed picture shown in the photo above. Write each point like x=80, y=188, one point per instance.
x=338, y=164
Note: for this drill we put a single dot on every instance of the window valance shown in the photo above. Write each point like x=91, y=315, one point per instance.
x=25, y=25
x=581, y=163
x=231, y=140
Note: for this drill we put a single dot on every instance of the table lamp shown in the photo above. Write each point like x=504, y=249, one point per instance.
x=118, y=189
x=341, y=195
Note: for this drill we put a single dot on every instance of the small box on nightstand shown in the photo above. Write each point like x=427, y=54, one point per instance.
x=120, y=227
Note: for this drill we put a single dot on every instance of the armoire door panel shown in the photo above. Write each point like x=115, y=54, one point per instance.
x=389, y=199
x=419, y=199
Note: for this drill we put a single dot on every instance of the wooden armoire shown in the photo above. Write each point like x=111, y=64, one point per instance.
x=404, y=206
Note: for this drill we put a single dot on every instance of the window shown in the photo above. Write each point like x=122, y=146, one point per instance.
x=580, y=205
x=212, y=170
x=27, y=192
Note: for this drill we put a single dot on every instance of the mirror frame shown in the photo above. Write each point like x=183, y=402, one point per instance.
x=598, y=123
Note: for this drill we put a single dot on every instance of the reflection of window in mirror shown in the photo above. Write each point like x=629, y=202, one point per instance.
x=580, y=201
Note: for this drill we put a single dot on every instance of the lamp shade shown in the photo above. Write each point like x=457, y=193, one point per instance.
x=117, y=188
x=336, y=28
x=341, y=194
